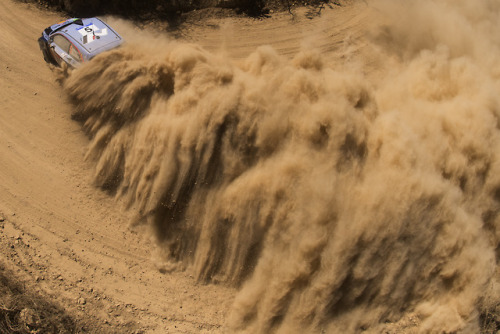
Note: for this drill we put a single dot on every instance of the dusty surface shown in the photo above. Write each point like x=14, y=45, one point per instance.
x=61, y=235
x=328, y=183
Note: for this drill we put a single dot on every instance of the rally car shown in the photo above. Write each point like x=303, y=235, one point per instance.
x=77, y=40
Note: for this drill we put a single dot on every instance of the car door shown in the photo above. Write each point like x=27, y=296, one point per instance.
x=64, y=51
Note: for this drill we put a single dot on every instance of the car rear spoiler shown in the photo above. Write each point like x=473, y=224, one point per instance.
x=49, y=30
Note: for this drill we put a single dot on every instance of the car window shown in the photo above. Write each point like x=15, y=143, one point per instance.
x=62, y=42
x=74, y=53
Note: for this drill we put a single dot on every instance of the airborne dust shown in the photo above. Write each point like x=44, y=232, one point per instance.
x=336, y=201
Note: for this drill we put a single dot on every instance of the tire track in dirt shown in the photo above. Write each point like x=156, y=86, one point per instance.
x=329, y=31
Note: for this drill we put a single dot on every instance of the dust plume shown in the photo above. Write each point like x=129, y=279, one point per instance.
x=337, y=201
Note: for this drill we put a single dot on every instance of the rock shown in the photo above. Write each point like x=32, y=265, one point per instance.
x=2, y=219
x=29, y=317
x=82, y=301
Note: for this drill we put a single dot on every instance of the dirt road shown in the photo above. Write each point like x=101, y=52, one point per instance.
x=350, y=189
x=65, y=238
x=62, y=235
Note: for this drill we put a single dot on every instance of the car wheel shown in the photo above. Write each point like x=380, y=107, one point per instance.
x=48, y=57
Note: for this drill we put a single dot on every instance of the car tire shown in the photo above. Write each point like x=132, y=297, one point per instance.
x=46, y=54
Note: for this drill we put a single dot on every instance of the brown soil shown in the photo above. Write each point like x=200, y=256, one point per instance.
x=69, y=252
x=67, y=240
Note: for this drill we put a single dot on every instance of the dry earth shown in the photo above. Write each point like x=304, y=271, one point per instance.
x=64, y=238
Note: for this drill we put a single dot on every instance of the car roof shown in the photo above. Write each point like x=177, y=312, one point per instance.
x=91, y=34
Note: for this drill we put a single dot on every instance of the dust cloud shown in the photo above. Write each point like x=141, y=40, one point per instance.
x=336, y=201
